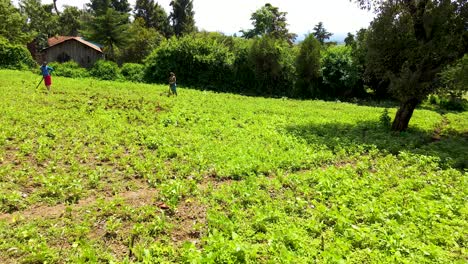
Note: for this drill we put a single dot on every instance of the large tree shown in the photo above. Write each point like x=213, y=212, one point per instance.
x=268, y=20
x=109, y=29
x=182, y=16
x=99, y=7
x=41, y=22
x=320, y=33
x=141, y=42
x=70, y=21
x=308, y=68
x=410, y=42
x=154, y=16
x=13, y=24
x=273, y=66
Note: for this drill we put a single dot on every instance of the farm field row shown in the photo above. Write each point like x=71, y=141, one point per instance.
x=118, y=172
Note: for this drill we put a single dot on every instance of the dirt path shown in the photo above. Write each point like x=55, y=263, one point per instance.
x=137, y=198
x=436, y=136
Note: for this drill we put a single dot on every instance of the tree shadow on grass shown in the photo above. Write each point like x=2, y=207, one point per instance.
x=451, y=149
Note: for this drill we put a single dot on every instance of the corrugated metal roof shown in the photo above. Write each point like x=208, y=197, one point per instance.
x=60, y=39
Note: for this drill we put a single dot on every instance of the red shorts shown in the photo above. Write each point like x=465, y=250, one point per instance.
x=47, y=80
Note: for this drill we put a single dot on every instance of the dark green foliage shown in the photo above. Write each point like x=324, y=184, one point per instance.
x=109, y=29
x=244, y=74
x=14, y=56
x=197, y=61
x=273, y=62
x=69, y=21
x=320, y=33
x=41, y=22
x=454, y=79
x=13, y=24
x=69, y=69
x=99, y=7
x=182, y=16
x=268, y=20
x=371, y=77
x=141, y=42
x=452, y=87
x=133, y=72
x=105, y=70
x=448, y=102
x=349, y=40
x=308, y=68
x=154, y=16
x=385, y=119
x=340, y=74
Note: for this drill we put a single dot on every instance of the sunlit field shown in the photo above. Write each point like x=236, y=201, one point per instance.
x=118, y=172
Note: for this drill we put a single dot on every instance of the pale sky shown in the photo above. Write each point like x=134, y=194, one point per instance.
x=228, y=16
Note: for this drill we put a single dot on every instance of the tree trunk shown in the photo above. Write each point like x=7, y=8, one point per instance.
x=55, y=7
x=404, y=114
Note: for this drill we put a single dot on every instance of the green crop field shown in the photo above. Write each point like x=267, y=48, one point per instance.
x=113, y=172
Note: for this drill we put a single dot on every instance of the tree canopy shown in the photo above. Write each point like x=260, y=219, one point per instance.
x=70, y=21
x=41, y=22
x=13, y=26
x=99, y=7
x=153, y=15
x=321, y=34
x=268, y=20
x=182, y=17
x=308, y=68
x=109, y=29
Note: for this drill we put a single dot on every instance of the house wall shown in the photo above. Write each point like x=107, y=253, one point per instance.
x=74, y=50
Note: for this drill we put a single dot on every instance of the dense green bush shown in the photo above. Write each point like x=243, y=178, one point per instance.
x=142, y=42
x=454, y=79
x=69, y=69
x=105, y=70
x=451, y=103
x=243, y=70
x=308, y=68
x=133, y=72
x=273, y=61
x=14, y=56
x=197, y=60
x=453, y=86
x=340, y=74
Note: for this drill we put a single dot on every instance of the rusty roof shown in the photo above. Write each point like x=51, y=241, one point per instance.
x=60, y=39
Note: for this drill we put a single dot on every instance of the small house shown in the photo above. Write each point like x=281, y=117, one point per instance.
x=66, y=48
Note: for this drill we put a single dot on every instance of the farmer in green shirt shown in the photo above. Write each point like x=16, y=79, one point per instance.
x=172, y=84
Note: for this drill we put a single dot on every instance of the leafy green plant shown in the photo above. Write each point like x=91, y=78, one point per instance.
x=132, y=72
x=340, y=73
x=15, y=56
x=385, y=119
x=105, y=70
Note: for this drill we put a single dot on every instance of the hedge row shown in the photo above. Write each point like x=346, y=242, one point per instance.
x=104, y=70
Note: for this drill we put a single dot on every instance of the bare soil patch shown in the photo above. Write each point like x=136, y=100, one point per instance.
x=137, y=198
x=190, y=222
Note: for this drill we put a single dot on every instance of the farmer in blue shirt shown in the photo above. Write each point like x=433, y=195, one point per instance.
x=45, y=71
